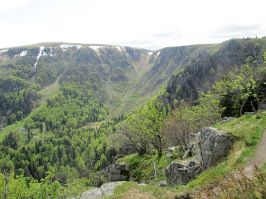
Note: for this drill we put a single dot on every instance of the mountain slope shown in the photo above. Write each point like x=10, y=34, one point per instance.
x=65, y=101
x=124, y=77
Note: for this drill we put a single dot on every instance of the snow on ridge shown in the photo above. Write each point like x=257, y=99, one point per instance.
x=96, y=48
x=119, y=48
x=3, y=51
x=39, y=55
x=150, y=53
x=65, y=46
x=158, y=53
x=23, y=53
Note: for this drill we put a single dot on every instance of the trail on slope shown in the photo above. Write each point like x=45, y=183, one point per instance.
x=259, y=157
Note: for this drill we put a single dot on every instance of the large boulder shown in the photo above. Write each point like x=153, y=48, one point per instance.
x=207, y=147
x=182, y=172
x=117, y=172
x=211, y=145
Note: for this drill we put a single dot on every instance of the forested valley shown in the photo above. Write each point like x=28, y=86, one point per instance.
x=68, y=112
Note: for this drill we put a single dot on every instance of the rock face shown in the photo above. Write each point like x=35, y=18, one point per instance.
x=207, y=147
x=117, y=172
x=182, y=172
x=99, y=193
x=211, y=146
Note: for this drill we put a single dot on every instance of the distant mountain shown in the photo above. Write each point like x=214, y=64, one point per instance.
x=122, y=77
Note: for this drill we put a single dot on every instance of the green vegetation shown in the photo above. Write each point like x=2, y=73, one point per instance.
x=79, y=110
x=248, y=131
x=147, y=168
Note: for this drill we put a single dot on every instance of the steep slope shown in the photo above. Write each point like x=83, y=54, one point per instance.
x=210, y=64
x=113, y=70
x=78, y=88
x=124, y=77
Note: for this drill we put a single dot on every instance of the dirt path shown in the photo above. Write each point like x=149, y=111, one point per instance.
x=259, y=157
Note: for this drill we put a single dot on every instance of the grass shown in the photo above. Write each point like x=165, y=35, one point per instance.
x=247, y=130
x=142, y=167
x=132, y=190
x=49, y=91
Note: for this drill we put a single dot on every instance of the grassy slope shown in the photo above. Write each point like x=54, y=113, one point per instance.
x=248, y=132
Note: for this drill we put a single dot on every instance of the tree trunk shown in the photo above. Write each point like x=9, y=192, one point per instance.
x=242, y=106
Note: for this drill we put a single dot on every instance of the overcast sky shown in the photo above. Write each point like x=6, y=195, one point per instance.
x=149, y=24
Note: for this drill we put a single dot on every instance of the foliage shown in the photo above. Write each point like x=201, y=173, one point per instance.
x=142, y=168
x=142, y=128
x=17, y=99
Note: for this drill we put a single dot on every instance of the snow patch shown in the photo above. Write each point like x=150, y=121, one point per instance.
x=3, y=51
x=65, y=46
x=51, y=52
x=120, y=49
x=96, y=48
x=150, y=53
x=158, y=53
x=23, y=53
x=39, y=55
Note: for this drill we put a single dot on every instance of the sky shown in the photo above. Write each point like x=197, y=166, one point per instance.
x=150, y=24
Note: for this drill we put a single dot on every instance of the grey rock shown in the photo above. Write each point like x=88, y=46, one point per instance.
x=94, y=193
x=226, y=119
x=211, y=146
x=162, y=183
x=172, y=152
x=182, y=172
x=106, y=189
x=117, y=172
x=207, y=147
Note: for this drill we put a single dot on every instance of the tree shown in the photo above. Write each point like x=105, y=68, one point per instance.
x=237, y=90
x=11, y=140
x=177, y=127
x=187, y=119
x=6, y=167
x=142, y=129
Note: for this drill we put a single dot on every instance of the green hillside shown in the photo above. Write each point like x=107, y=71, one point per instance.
x=70, y=111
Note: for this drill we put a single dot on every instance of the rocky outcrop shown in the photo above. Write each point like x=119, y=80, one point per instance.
x=117, y=172
x=207, y=147
x=182, y=172
x=211, y=146
x=106, y=189
x=172, y=152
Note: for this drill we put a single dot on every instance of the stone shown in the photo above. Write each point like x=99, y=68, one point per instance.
x=94, y=193
x=211, y=146
x=181, y=172
x=162, y=183
x=206, y=148
x=117, y=172
x=226, y=119
x=106, y=189
x=172, y=152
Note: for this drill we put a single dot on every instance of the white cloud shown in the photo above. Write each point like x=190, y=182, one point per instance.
x=142, y=23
